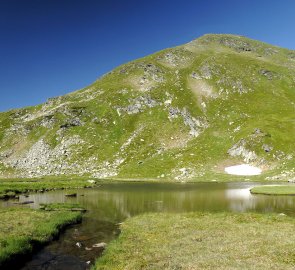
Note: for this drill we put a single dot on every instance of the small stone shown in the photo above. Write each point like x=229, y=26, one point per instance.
x=266, y=148
x=100, y=245
x=91, y=181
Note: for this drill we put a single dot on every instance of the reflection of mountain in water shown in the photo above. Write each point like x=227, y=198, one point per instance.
x=113, y=203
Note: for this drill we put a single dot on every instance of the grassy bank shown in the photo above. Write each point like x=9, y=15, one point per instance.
x=22, y=230
x=202, y=241
x=274, y=190
x=11, y=187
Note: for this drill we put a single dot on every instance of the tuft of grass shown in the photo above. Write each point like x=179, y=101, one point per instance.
x=62, y=207
x=274, y=190
x=23, y=229
x=11, y=187
x=202, y=241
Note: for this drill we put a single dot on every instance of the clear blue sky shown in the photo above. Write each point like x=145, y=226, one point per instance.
x=52, y=47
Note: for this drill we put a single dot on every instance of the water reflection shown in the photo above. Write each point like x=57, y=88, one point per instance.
x=111, y=204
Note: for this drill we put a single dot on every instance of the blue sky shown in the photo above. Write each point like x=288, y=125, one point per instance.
x=52, y=47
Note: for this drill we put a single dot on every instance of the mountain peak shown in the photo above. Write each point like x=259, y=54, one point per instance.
x=181, y=113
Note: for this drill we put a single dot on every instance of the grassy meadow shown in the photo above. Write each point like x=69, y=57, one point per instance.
x=202, y=241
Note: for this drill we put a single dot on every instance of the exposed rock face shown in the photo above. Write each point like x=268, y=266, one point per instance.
x=270, y=75
x=75, y=122
x=174, y=114
x=286, y=175
x=238, y=45
x=239, y=149
x=196, y=125
x=138, y=105
x=42, y=160
x=176, y=57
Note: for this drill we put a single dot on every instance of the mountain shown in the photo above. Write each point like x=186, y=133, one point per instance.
x=181, y=113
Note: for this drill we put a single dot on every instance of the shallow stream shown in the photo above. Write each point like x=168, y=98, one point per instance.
x=110, y=204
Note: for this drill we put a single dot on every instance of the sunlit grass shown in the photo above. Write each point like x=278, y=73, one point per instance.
x=202, y=241
x=274, y=190
x=22, y=229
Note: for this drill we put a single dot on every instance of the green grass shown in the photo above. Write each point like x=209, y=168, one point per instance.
x=274, y=190
x=267, y=104
x=62, y=207
x=23, y=229
x=202, y=241
x=12, y=187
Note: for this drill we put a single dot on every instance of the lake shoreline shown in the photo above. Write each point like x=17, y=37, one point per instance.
x=201, y=241
x=113, y=203
x=12, y=188
x=39, y=227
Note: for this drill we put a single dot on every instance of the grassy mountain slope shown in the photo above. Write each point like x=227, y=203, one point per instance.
x=181, y=113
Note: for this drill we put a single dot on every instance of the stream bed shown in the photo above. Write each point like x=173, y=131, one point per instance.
x=110, y=204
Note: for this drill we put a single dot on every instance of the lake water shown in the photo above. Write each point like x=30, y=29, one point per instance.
x=110, y=204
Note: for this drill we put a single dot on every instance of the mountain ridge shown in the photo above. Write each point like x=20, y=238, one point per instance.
x=181, y=113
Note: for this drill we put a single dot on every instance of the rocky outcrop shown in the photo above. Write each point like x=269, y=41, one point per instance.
x=138, y=105
x=196, y=125
x=41, y=159
x=176, y=113
x=239, y=149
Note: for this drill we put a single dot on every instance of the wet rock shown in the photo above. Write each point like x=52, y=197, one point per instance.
x=71, y=195
x=25, y=202
x=100, y=245
x=78, y=244
x=77, y=209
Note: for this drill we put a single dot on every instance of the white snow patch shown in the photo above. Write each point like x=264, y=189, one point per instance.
x=243, y=169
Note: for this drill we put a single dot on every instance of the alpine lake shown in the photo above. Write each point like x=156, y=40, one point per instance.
x=108, y=205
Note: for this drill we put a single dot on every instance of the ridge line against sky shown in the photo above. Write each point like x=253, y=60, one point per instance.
x=53, y=47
